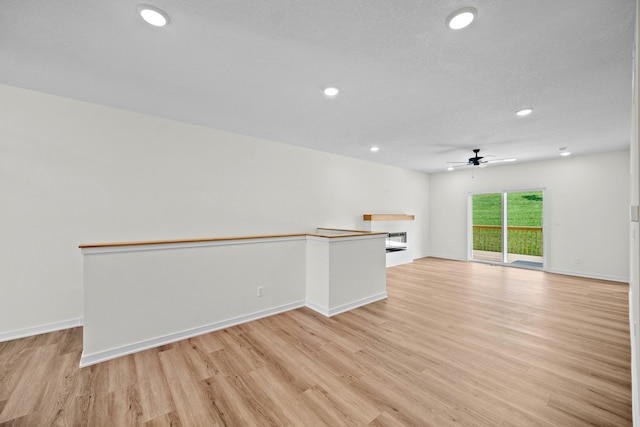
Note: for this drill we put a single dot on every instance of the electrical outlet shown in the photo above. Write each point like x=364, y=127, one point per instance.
x=260, y=291
x=578, y=261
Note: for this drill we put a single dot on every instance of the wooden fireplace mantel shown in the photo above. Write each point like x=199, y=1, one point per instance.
x=388, y=217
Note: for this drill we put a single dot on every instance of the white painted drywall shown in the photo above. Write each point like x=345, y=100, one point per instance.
x=634, y=230
x=142, y=296
x=74, y=172
x=356, y=272
x=317, y=274
x=139, y=295
x=344, y=273
x=586, y=199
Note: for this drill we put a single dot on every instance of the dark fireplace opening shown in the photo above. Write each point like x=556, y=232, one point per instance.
x=397, y=241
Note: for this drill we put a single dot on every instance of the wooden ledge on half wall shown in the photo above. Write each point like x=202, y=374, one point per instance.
x=339, y=233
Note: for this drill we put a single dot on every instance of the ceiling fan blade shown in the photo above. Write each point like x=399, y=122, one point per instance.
x=478, y=160
x=501, y=160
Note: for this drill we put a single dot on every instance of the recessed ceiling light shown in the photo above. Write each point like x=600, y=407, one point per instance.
x=461, y=18
x=374, y=149
x=524, y=112
x=565, y=153
x=450, y=168
x=152, y=15
x=331, y=91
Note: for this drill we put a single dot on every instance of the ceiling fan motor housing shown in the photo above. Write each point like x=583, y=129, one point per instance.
x=475, y=160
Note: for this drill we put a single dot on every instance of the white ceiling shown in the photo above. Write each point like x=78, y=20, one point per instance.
x=423, y=93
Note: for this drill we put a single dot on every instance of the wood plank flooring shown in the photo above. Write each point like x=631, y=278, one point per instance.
x=454, y=344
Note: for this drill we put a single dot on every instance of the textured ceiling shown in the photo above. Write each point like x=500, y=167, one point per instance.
x=421, y=92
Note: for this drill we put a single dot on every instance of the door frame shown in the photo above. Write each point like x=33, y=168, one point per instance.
x=545, y=234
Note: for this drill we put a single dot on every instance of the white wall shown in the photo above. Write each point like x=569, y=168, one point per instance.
x=634, y=231
x=73, y=172
x=143, y=296
x=586, y=199
x=139, y=297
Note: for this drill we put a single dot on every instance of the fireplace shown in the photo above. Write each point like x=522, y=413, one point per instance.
x=397, y=241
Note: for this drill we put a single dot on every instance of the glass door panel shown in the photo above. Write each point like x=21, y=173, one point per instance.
x=487, y=227
x=524, y=236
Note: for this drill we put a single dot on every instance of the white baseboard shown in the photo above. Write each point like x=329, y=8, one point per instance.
x=452, y=258
x=635, y=392
x=590, y=275
x=345, y=307
x=556, y=271
x=41, y=329
x=92, y=359
x=356, y=304
x=317, y=308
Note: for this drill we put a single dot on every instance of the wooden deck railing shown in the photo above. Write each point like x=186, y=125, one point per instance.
x=521, y=240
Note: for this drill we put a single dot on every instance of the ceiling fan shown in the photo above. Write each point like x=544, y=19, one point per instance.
x=478, y=160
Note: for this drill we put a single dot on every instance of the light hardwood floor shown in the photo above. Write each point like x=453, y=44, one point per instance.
x=454, y=344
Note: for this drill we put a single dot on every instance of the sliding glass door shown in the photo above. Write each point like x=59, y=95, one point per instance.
x=507, y=228
x=487, y=227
